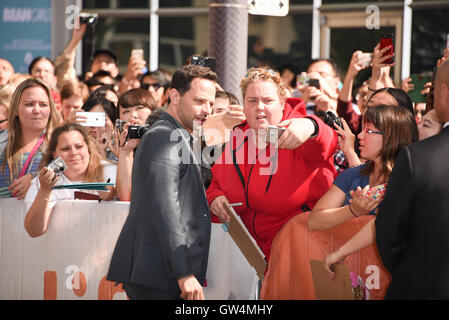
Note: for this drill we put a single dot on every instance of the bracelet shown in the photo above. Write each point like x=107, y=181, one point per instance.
x=371, y=89
x=350, y=209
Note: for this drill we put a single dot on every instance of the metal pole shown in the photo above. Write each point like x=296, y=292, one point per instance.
x=154, y=35
x=228, y=42
x=316, y=19
x=406, y=39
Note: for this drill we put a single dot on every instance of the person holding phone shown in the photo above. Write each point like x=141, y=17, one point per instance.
x=275, y=182
x=386, y=130
x=74, y=146
x=136, y=67
x=101, y=132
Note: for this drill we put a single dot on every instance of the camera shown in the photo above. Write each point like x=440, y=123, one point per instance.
x=119, y=125
x=89, y=18
x=57, y=165
x=137, y=132
x=329, y=118
x=273, y=134
x=314, y=83
x=204, y=62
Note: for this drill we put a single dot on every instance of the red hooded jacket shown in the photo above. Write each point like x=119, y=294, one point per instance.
x=274, y=191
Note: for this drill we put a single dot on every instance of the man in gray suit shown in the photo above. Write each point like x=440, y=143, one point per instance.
x=412, y=226
x=163, y=248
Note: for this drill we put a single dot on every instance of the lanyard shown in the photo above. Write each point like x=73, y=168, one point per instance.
x=32, y=153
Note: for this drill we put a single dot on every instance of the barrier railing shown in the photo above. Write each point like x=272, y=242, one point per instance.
x=71, y=260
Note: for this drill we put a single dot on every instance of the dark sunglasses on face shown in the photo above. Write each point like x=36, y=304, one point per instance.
x=155, y=86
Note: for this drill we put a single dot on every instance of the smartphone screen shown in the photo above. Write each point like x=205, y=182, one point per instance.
x=93, y=119
x=385, y=41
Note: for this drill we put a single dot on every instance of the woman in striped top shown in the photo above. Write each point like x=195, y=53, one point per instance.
x=32, y=117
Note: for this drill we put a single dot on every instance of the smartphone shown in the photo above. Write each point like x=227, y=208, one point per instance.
x=137, y=53
x=93, y=119
x=364, y=58
x=207, y=62
x=273, y=134
x=419, y=81
x=314, y=83
x=57, y=165
x=378, y=190
x=385, y=41
x=302, y=79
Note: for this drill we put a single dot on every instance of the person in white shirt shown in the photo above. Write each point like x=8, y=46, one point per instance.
x=84, y=164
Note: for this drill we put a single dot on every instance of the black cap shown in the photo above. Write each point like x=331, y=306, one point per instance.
x=106, y=52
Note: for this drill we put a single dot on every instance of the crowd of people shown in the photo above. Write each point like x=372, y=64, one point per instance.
x=335, y=146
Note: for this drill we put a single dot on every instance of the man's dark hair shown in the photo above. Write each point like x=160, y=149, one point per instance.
x=225, y=94
x=159, y=76
x=182, y=78
x=401, y=97
x=36, y=60
x=107, y=52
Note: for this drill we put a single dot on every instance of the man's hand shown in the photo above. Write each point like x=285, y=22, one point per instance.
x=191, y=289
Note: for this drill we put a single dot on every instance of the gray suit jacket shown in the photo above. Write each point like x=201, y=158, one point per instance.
x=167, y=233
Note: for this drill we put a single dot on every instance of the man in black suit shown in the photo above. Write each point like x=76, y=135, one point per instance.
x=163, y=248
x=412, y=228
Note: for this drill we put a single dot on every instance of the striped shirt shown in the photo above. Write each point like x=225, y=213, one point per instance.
x=32, y=168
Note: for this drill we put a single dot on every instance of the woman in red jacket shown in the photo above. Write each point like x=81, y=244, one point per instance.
x=274, y=182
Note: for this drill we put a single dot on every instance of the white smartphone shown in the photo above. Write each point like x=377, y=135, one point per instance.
x=365, y=58
x=137, y=52
x=93, y=119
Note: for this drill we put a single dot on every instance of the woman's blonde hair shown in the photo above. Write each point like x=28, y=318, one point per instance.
x=264, y=74
x=13, y=146
x=94, y=169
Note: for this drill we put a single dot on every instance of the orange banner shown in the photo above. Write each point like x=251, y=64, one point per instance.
x=289, y=274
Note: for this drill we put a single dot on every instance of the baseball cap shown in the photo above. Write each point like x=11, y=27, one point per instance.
x=106, y=52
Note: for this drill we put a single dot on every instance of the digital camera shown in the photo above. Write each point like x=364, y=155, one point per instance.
x=204, y=62
x=137, y=131
x=57, y=165
x=329, y=118
x=89, y=18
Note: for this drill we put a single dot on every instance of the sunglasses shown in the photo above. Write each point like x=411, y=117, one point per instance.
x=155, y=86
x=371, y=131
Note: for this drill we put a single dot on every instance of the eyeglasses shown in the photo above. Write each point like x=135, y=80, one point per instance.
x=366, y=130
x=155, y=86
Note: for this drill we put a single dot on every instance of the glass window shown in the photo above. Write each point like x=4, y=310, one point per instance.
x=344, y=41
x=106, y=4
x=119, y=35
x=429, y=34
x=176, y=45
x=277, y=41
